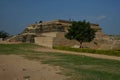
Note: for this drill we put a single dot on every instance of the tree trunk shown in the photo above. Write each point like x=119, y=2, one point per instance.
x=80, y=44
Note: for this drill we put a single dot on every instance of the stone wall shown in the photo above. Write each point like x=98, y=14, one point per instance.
x=1, y=39
x=44, y=41
x=49, y=34
x=54, y=39
x=57, y=39
x=60, y=40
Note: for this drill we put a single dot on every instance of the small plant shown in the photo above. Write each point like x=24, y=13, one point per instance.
x=26, y=77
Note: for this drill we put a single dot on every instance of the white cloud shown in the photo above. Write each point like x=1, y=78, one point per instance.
x=101, y=17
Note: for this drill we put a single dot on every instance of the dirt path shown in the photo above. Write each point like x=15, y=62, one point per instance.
x=79, y=53
x=14, y=67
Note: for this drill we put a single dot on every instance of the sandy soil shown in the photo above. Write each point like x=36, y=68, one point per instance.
x=14, y=67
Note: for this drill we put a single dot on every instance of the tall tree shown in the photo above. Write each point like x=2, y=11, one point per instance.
x=3, y=34
x=80, y=31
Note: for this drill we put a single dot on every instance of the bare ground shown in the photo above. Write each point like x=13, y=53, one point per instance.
x=14, y=67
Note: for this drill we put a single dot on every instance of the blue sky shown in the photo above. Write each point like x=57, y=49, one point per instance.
x=16, y=15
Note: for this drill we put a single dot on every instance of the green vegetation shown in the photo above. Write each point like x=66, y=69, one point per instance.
x=17, y=48
x=80, y=31
x=74, y=66
x=82, y=67
x=3, y=34
x=93, y=51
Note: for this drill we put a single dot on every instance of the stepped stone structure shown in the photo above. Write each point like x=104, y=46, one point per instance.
x=52, y=33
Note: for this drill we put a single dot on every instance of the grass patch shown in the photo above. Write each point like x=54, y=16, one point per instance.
x=26, y=77
x=17, y=48
x=93, y=51
x=74, y=66
x=81, y=67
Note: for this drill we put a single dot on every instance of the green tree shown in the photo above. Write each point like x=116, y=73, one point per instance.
x=80, y=31
x=3, y=34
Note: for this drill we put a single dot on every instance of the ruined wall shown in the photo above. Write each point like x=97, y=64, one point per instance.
x=44, y=41
x=52, y=33
x=54, y=39
x=49, y=34
x=60, y=40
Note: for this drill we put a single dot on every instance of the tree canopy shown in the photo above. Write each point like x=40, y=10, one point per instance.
x=80, y=31
x=3, y=34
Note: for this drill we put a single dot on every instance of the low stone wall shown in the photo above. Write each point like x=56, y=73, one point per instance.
x=116, y=45
x=60, y=40
x=50, y=41
x=44, y=41
x=1, y=39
